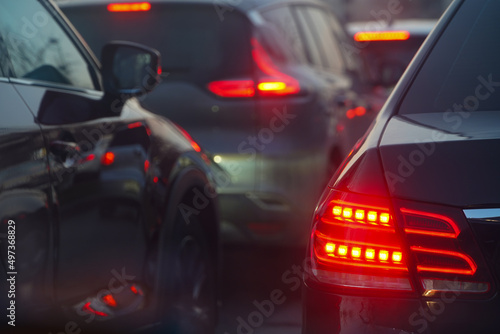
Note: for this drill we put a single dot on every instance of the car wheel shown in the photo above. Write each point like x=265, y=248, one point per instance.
x=188, y=276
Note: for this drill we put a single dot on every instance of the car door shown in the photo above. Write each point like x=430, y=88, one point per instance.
x=97, y=155
x=25, y=222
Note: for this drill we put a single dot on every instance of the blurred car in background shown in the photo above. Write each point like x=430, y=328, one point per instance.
x=100, y=226
x=406, y=237
x=388, y=49
x=388, y=34
x=261, y=85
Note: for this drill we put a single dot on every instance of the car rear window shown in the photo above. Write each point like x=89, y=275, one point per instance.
x=462, y=74
x=195, y=43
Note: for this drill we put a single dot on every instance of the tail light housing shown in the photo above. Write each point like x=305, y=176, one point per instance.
x=270, y=82
x=355, y=244
x=371, y=241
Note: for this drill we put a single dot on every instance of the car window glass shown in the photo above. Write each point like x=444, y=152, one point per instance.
x=195, y=43
x=462, y=74
x=38, y=48
x=284, y=22
x=328, y=42
x=311, y=42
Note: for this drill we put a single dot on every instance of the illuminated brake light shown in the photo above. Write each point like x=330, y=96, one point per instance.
x=350, y=212
x=129, y=7
x=355, y=237
x=232, y=88
x=370, y=254
x=337, y=210
x=136, y=290
x=271, y=82
x=360, y=215
x=330, y=248
x=383, y=255
x=89, y=309
x=372, y=216
x=109, y=300
x=108, y=158
x=397, y=256
x=347, y=213
x=263, y=86
x=278, y=83
x=358, y=111
x=342, y=250
x=372, y=36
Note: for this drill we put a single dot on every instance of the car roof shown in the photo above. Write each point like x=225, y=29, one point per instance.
x=242, y=5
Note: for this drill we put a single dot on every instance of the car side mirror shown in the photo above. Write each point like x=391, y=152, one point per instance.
x=129, y=69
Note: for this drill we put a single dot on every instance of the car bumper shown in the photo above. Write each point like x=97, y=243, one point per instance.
x=335, y=312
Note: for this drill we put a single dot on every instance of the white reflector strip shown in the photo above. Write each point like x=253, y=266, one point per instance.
x=362, y=281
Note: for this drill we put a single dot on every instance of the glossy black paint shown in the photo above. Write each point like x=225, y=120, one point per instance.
x=87, y=222
x=420, y=158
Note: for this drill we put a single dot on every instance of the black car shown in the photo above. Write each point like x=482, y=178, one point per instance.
x=108, y=217
x=406, y=238
x=261, y=85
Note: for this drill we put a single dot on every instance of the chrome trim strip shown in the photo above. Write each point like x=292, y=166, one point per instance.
x=483, y=214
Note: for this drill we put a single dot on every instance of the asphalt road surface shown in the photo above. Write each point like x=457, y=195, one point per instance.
x=260, y=290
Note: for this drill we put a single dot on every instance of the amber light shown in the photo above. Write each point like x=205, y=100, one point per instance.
x=372, y=36
x=359, y=254
x=273, y=82
x=349, y=213
x=284, y=85
x=129, y=7
x=355, y=244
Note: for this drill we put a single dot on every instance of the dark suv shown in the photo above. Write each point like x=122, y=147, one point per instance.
x=261, y=85
x=94, y=189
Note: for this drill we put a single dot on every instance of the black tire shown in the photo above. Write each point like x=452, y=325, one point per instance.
x=188, y=276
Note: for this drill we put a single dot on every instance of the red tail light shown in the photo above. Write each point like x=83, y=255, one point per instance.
x=372, y=36
x=355, y=244
x=358, y=241
x=129, y=7
x=108, y=158
x=109, y=300
x=437, y=243
x=233, y=88
x=358, y=111
x=89, y=309
x=271, y=82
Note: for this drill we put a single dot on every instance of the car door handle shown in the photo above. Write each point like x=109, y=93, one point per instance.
x=66, y=153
